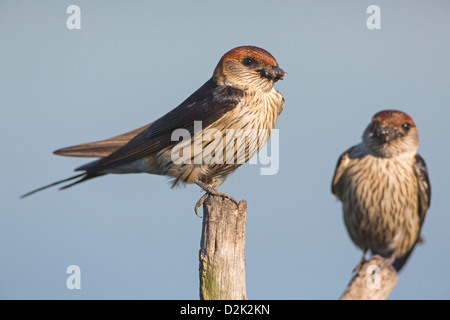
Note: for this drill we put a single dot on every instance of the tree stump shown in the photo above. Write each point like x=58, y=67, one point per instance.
x=374, y=281
x=222, y=250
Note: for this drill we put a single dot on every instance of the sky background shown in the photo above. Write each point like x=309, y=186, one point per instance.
x=134, y=237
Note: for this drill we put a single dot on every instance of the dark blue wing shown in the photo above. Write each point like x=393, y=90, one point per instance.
x=424, y=187
x=207, y=104
x=421, y=171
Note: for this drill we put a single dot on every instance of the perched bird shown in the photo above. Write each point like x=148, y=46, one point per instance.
x=239, y=97
x=384, y=188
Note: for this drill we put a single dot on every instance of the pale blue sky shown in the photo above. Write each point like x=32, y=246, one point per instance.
x=131, y=62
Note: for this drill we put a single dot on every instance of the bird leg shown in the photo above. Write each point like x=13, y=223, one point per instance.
x=390, y=260
x=211, y=191
x=361, y=263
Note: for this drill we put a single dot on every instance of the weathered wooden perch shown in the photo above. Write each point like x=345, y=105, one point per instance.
x=222, y=250
x=374, y=281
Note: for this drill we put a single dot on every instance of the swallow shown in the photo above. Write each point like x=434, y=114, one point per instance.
x=384, y=188
x=239, y=97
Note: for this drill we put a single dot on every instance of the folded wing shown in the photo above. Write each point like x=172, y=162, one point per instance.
x=100, y=149
x=208, y=104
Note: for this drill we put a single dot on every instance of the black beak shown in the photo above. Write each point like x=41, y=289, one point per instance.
x=274, y=73
x=386, y=134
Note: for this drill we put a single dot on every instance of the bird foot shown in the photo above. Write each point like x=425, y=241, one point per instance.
x=200, y=203
x=389, y=262
x=213, y=192
x=361, y=263
x=385, y=262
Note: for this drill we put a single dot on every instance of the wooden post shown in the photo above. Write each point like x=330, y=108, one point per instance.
x=374, y=281
x=222, y=250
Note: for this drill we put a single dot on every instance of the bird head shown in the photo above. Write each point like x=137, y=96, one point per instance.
x=248, y=66
x=391, y=132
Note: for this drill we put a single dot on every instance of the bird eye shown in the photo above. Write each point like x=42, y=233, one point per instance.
x=248, y=61
x=406, y=126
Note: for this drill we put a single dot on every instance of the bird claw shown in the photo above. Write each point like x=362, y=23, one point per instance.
x=226, y=196
x=212, y=192
x=389, y=261
x=359, y=266
x=200, y=203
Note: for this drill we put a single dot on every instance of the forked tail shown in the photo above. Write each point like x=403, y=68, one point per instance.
x=84, y=176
